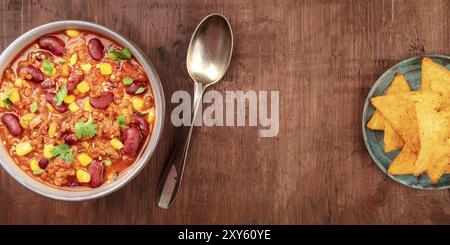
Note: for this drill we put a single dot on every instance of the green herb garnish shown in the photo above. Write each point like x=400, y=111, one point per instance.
x=7, y=103
x=62, y=93
x=121, y=121
x=64, y=152
x=127, y=81
x=86, y=129
x=140, y=90
x=34, y=107
x=48, y=68
x=124, y=54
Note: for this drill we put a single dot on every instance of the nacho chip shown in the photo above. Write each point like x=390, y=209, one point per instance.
x=434, y=76
x=404, y=162
x=433, y=118
x=376, y=122
x=392, y=140
x=399, y=110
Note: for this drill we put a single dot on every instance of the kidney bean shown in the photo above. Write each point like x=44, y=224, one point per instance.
x=43, y=162
x=11, y=122
x=132, y=139
x=69, y=138
x=96, y=49
x=102, y=101
x=72, y=181
x=135, y=86
x=95, y=169
x=140, y=122
x=50, y=98
x=53, y=44
x=30, y=73
x=48, y=84
x=74, y=79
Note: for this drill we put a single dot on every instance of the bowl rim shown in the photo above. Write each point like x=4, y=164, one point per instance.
x=371, y=93
x=10, y=52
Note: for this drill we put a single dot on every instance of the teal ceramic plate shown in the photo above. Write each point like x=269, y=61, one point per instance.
x=411, y=69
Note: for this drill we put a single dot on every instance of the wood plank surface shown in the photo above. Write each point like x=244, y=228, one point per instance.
x=323, y=56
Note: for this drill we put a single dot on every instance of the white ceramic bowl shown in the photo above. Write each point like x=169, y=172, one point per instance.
x=148, y=149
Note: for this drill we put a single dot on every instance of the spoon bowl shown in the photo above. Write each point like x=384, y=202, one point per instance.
x=210, y=49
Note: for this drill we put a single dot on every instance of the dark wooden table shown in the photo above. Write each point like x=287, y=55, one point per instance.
x=323, y=57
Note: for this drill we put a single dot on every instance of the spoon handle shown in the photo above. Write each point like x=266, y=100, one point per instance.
x=170, y=182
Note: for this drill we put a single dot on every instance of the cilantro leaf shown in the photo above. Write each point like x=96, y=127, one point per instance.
x=64, y=152
x=124, y=54
x=34, y=107
x=121, y=121
x=47, y=67
x=7, y=103
x=86, y=129
x=127, y=81
x=113, y=54
x=4, y=98
x=62, y=93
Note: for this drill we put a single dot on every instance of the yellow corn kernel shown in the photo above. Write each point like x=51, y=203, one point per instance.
x=107, y=162
x=86, y=67
x=72, y=33
x=65, y=70
x=50, y=107
x=34, y=166
x=18, y=82
x=151, y=116
x=116, y=144
x=83, y=176
x=87, y=106
x=69, y=99
x=112, y=77
x=84, y=159
x=23, y=148
x=138, y=103
x=52, y=129
x=14, y=97
x=83, y=87
x=105, y=68
x=25, y=119
x=85, y=144
x=48, y=150
x=73, y=107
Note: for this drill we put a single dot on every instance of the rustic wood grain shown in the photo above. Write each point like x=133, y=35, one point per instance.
x=323, y=57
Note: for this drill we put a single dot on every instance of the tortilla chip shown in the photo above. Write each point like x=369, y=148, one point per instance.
x=433, y=118
x=399, y=85
x=399, y=110
x=376, y=122
x=404, y=162
x=434, y=76
x=392, y=140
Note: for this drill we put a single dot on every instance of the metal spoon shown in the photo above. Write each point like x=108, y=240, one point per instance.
x=207, y=60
